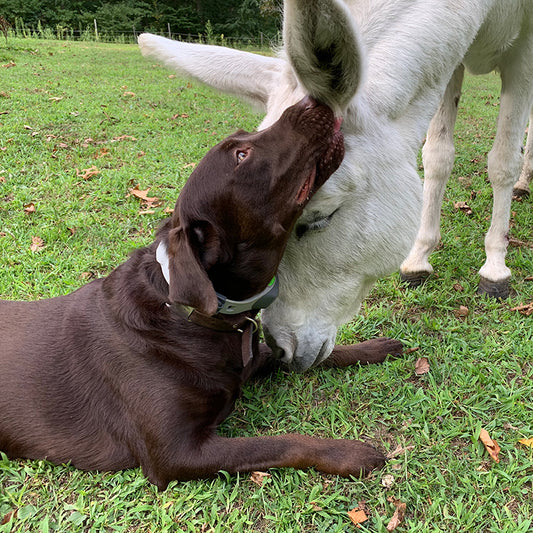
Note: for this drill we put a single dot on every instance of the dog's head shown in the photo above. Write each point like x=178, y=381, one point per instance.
x=234, y=215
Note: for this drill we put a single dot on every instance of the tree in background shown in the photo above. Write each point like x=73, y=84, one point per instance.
x=233, y=18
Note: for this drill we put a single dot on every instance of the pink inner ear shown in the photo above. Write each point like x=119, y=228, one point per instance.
x=189, y=284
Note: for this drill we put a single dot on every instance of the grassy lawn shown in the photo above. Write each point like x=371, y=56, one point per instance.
x=83, y=123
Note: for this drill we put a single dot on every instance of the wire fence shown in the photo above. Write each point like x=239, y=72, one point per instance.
x=94, y=33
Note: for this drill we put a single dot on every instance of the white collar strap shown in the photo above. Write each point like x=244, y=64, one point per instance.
x=225, y=305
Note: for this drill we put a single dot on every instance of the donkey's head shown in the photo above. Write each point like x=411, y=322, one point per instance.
x=347, y=236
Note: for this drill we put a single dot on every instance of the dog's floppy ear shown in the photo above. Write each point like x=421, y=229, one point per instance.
x=189, y=283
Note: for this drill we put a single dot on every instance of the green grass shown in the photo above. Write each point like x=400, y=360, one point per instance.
x=68, y=106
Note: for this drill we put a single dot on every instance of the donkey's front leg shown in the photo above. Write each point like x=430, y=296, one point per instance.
x=438, y=157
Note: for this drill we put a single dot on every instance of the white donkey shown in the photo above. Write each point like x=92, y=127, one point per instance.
x=397, y=56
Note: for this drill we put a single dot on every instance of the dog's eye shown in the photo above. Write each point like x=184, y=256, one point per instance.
x=241, y=155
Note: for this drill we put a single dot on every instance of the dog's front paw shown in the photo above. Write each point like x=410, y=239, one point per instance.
x=351, y=458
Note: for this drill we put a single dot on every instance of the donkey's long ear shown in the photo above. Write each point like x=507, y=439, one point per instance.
x=322, y=44
x=251, y=77
x=188, y=281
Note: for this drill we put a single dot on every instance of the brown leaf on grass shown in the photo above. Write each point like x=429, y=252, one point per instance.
x=101, y=153
x=519, y=244
x=258, y=477
x=128, y=93
x=399, y=450
x=527, y=442
x=87, y=173
x=2, y=179
x=36, y=244
x=122, y=138
x=55, y=98
x=189, y=165
x=387, y=481
x=146, y=201
x=458, y=287
x=168, y=210
x=9, y=65
x=524, y=309
x=528, y=278
x=357, y=516
x=462, y=312
x=411, y=350
x=398, y=516
x=421, y=366
x=490, y=445
x=11, y=515
x=29, y=208
x=464, y=207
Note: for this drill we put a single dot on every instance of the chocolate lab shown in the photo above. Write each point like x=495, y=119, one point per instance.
x=140, y=368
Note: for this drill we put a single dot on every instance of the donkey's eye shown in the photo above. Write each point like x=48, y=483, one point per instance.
x=241, y=155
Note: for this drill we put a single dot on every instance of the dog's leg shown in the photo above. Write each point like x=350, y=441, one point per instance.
x=332, y=456
x=367, y=352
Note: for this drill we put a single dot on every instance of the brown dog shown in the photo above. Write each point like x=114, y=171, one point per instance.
x=140, y=368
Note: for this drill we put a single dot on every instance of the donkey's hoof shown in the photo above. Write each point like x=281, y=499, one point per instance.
x=520, y=193
x=496, y=289
x=414, y=279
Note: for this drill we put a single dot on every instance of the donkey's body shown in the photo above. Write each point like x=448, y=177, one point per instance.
x=362, y=223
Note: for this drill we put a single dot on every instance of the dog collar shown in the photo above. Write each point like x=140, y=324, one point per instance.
x=225, y=305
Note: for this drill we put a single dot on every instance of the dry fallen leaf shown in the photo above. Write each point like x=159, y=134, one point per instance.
x=12, y=515
x=464, y=207
x=421, y=366
x=411, y=350
x=258, y=477
x=527, y=442
x=146, y=201
x=87, y=173
x=462, y=312
x=397, y=517
x=2, y=179
x=357, y=516
x=524, y=309
x=9, y=65
x=387, y=481
x=29, y=208
x=399, y=450
x=490, y=445
x=36, y=244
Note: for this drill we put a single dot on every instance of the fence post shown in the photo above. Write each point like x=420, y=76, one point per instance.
x=95, y=30
x=169, y=34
